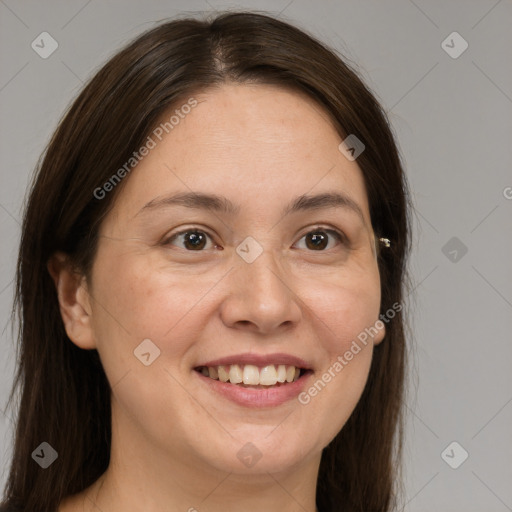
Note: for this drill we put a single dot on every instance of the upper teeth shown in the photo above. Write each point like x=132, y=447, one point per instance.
x=250, y=374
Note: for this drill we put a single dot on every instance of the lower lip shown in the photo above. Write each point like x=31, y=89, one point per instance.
x=257, y=398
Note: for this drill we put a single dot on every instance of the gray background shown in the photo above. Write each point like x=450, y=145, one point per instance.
x=452, y=118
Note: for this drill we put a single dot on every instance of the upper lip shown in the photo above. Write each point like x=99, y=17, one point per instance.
x=259, y=360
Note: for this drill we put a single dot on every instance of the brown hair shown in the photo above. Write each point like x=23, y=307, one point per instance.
x=64, y=393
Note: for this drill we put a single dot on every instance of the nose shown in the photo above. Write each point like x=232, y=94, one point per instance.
x=261, y=297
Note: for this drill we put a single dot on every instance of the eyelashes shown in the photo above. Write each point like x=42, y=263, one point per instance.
x=195, y=239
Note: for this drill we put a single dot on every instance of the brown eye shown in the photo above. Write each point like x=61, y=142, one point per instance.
x=193, y=240
x=318, y=240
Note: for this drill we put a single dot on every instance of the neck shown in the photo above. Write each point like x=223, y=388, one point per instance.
x=145, y=477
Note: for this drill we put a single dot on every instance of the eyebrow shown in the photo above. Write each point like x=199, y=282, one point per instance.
x=221, y=204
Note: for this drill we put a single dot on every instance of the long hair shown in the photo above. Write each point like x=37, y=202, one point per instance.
x=62, y=393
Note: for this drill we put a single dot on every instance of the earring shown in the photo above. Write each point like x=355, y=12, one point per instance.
x=385, y=241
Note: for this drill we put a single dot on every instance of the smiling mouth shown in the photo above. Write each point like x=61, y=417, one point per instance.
x=251, y=376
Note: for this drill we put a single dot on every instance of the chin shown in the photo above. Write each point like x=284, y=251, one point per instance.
x=261, y=453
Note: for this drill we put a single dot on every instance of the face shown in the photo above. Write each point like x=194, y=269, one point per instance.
x=262, y=286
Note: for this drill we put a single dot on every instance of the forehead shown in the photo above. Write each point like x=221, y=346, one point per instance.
x=255, y=144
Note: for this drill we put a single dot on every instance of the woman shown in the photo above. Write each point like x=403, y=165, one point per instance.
x=210, y=284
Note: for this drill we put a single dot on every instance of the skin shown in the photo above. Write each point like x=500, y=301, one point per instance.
x=175, y=442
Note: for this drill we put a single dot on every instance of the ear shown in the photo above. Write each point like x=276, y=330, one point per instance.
x=380, y=325
x=73, y=296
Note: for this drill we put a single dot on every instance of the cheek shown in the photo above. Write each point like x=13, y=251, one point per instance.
x=345, y=314
x=346, y=307
x=147, y=300
x=135, y=302
x=139, y=302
